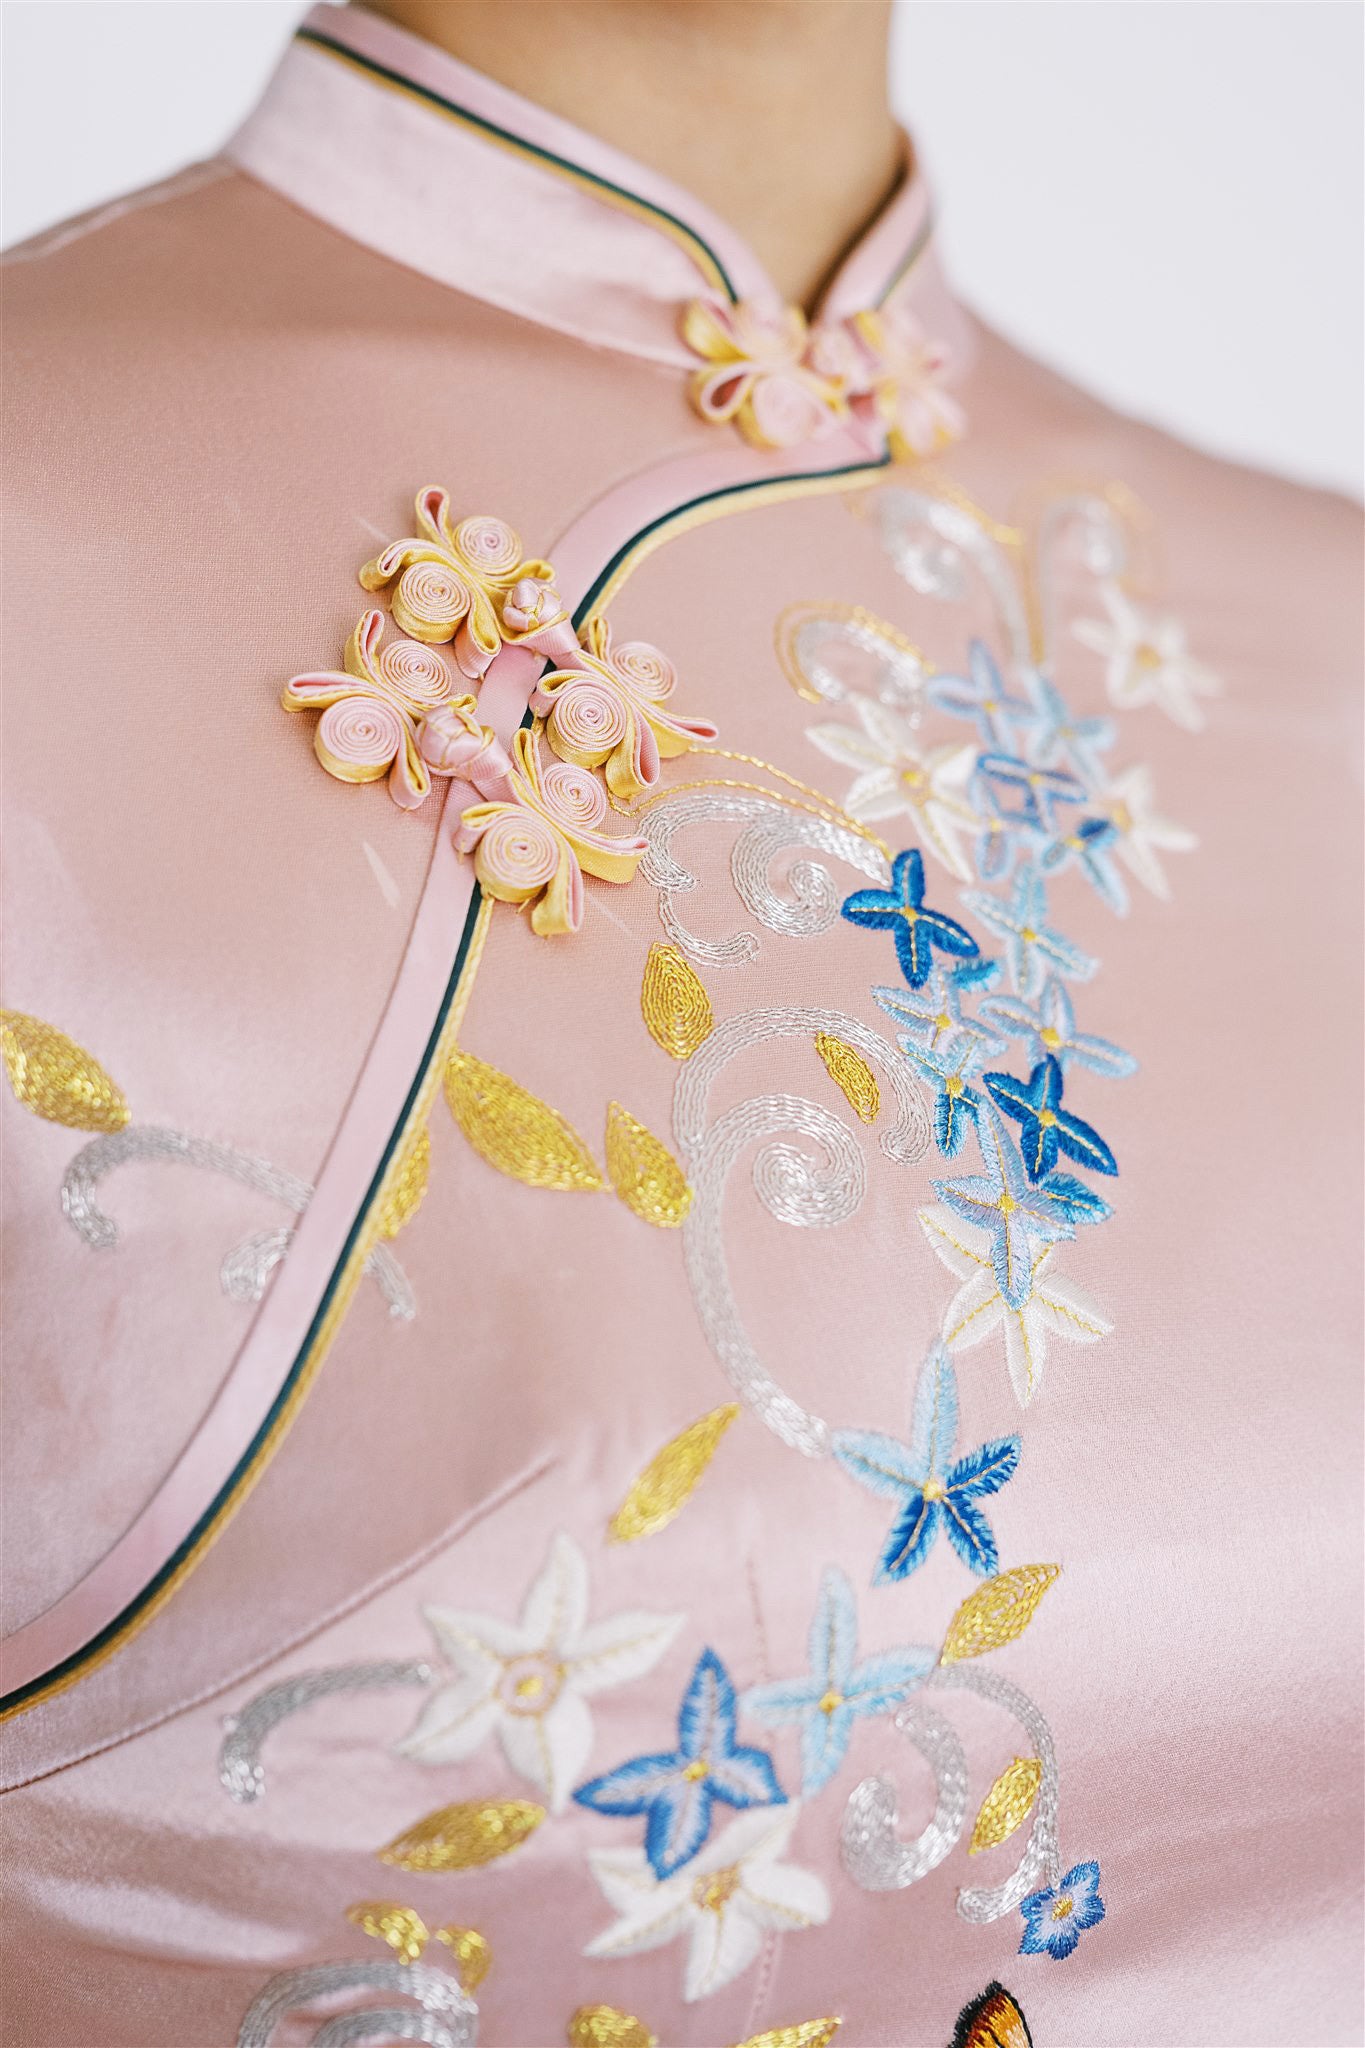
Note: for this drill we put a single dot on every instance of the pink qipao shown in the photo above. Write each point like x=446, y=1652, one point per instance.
x=686, y=1339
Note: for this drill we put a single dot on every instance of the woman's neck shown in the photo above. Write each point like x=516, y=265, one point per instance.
x=772, y=112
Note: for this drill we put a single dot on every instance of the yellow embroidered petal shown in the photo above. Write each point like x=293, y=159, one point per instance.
x=677, y=1009
x=459, y=1837
x=403, y=1195
x=850, y=1072
x=604, y=2026
x=473, y=1956
x=58, y=1079
x=403, y=1930
x=805, y=2034
x=997, y=1612
x=514, y=1131
x=669, y=1478
x=1008, y=1803
x=644, y=1172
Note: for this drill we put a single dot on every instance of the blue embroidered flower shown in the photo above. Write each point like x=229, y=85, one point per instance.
x=1060, y=735
x=901, y=910
x=998, y=842
x=1034, y=791
x=839, y=1690
x=1055, y=1919
x=948, y=1068
x=930, y=1490
x=678, y=1788
x=1090, y=845
x=1049, y=1026
x=1045, y=1128
x=982, y=697
x=1032, y=946
x=932, y=1013
x=975, y=974
x=1019, y=1218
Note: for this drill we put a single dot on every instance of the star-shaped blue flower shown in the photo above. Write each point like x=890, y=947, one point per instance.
x=1055, y=1919
x=975, y=974
x=839, y=1689
x=678, y=1788
x=1024, y=794
x=901, y=910
x=1032, y=946
x=1049, y=1026
x=982, y=697
x=948, y=1069
x=1045, y=1127
x=1061, y=736
x=931, y=1489
x=1019, y=1218
x=934, y=1012
x=1089, y=845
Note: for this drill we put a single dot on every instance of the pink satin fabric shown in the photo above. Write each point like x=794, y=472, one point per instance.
x=221, y=405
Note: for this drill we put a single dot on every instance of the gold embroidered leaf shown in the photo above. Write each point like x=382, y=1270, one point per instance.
x=676, y=1007
x=850, y=1072
x=996, y=1612
x=403, y=1196
x=514, y=1130
x=804, y=2034
x=644, y=1172
x=667, y=1481
x=58, y=1079
x=403, y=1930
x=1008, y=1803
x=459, y=1837
x=473, y=1956
x=605, y=2026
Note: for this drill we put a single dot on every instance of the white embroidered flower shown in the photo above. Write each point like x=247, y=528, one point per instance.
x=725, y=1900
x=1148, y=659
x=1127, y=803
x=532, y=1681
x=1053, y=1305
x=894, y=777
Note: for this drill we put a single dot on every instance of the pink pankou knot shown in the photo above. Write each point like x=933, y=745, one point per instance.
x=782, y=382
x=393, y=710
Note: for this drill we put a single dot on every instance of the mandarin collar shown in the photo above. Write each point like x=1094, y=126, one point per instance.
x=408, y=151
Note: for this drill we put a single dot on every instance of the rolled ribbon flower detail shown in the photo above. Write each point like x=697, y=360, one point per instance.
x=536, y=848
x=758, y=375
x=449, y=580
x=452, y=742
x=533, y=615
x=370, y=710
x=903, y=387
x=607, y=711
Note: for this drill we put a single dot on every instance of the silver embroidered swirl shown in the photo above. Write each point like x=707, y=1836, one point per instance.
x=802, y=1188
x=934, y=545
x=440, y=2013
x=810, y=907
x=879, y=1861
x=899, y=673
x=240, y=1770
x=246, y=1269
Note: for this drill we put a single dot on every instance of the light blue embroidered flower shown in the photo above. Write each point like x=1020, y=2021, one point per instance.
x=901, y=910
x=1033, y=792
x=933, y=1013
x=839, y=1690
x=1000, y=840
x=1032, y=946
x=678, y=1788
x=982, y=697
x=948, y=1069
x=1049, y=1026
x=1090, y=845
x=1055, y=1919
x=932, y=1491
x=975, y=974
x=1060, y=736
x=1018, y=1218
x=1045, y=1127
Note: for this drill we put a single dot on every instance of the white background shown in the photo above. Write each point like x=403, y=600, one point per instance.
x=1163, y=198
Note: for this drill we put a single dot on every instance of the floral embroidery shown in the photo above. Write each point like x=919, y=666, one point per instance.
x=1055, y=1919
x=678, y=1788
x=759, y=375
x=1045, y=1127
x=732, y=1894
x=1032, y=946
x=1049, y=1027
x=1061, y=737
x=840, y=1689
x=933, y=1012
x=1089, y=846
x=901, y=910
x=948, y=1071
x=932, y=1490
x=896, y=779
x=450, y=581
x=531, y=1681
x=1147, y=660
x=981, y=697
x=1016, y=1216
x=1032, y=791
x=1142, y=834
